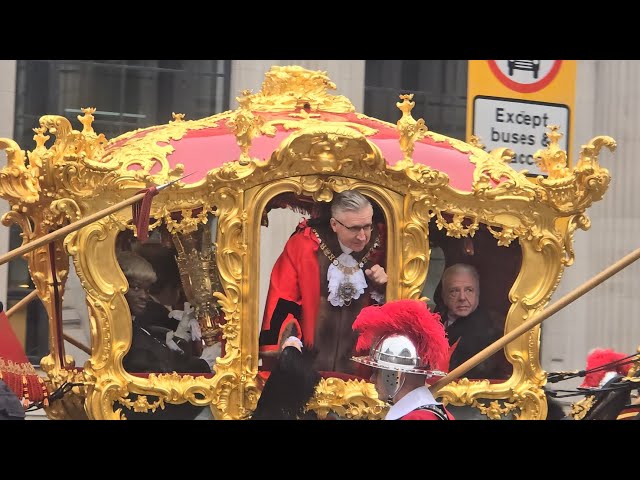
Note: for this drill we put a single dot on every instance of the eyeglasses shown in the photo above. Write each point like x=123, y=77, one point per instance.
x=356, y=228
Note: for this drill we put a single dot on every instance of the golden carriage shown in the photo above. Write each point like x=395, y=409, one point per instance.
x=292, y=139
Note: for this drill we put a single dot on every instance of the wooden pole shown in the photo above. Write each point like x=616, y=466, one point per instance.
x=32, y=296
x=537, y=319
x=22, y=303
x=77, y=343
x=72, y=227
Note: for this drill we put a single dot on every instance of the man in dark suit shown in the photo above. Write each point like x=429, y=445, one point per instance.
x=471, y=327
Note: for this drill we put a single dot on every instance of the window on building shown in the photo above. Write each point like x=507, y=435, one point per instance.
x=127, y=95
x=439, y=88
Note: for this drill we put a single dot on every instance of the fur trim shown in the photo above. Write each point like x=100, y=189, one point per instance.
x=405, y=317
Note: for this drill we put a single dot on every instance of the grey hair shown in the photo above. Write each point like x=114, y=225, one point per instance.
x=136, y=267
x=461, y=268
x=349, y=201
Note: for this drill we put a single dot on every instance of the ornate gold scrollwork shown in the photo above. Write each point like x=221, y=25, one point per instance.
x=580, y=408
x=304, y=119
x=17, y=181
x=572, y=191
x=350, y=399
x=292, y=87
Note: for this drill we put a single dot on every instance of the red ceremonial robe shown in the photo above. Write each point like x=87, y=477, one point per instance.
x=296, y=302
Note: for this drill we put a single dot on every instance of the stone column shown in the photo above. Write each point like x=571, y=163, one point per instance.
x=7, y=102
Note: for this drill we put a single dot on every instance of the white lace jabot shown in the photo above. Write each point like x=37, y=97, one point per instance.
x=335, y=277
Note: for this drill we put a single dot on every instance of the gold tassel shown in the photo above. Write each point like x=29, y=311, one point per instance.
x=25, y=391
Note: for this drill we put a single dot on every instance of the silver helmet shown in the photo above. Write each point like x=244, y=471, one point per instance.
x=395, y=355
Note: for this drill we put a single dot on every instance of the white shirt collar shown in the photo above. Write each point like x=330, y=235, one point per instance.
x=346, y=250
x=412, y=400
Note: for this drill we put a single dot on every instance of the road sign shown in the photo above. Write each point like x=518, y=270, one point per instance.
x=510, y=103
x=520, y=126
x=525, y=76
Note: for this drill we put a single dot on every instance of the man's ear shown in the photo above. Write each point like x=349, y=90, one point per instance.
x=333, y=225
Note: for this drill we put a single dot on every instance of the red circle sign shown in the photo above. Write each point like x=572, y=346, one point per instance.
x=525, y=76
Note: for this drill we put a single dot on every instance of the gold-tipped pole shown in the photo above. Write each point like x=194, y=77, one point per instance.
x=72, y=227
x=28, y=299
x=537, y=319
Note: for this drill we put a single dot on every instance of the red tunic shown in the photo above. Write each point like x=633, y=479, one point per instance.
x=424, y=415
x=297, y=299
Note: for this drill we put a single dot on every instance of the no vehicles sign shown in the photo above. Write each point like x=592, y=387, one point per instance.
x=511, y=103
x=520, y=126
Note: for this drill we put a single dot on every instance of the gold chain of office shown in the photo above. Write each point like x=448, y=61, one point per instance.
x=334, y=260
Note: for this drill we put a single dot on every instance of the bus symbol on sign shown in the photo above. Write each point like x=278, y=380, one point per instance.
x=525, y=76
x=531, y=65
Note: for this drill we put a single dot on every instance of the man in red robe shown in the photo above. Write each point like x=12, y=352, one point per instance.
x=328, y=271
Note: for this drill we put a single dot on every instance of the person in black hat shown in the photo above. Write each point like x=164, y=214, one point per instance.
x=289, y=387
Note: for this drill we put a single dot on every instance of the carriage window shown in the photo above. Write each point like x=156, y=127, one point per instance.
x=176, y=320
x=472, y=295
x=338, y=256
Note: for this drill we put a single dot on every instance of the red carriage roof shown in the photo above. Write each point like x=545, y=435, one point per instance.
x=203, y=145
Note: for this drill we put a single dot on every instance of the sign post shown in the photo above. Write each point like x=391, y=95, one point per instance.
x=511, y=103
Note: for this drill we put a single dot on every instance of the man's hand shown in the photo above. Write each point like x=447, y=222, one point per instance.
x=169, y=342
x=377, y=275
x=292, y=342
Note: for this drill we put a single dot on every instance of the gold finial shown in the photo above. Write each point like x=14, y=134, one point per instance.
x=245, y=126
x=40, y=138
x=475, y=141
x=407, y=105
x=177, y=117
x=244, y=100
x=410, y=131
x=553, y=160
x=87, y=119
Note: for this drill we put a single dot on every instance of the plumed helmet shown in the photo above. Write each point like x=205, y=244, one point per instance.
x=603, y=362
x=402, y=336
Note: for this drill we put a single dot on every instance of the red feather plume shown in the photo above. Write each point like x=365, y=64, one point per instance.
x=405, y=317
x=603, y=356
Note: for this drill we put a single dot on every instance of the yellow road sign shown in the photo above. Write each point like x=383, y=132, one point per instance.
x=510, y=103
